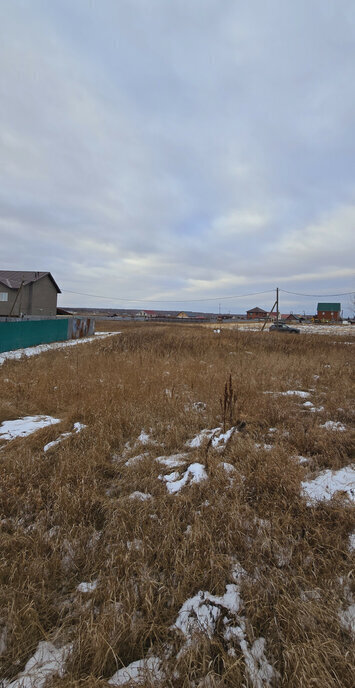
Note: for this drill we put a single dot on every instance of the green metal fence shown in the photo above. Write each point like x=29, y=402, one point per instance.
x=20, y=334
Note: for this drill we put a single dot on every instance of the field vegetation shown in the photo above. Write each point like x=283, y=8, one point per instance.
x=101, y=548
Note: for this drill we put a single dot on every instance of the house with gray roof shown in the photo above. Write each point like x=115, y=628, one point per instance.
x=27, y=293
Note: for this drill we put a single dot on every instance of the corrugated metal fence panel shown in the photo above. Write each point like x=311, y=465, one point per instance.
x=20, y=334
x=80, y=327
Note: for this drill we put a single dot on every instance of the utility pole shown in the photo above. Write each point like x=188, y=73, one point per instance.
x=272, y=309
x=16, y=297
x=277, y=304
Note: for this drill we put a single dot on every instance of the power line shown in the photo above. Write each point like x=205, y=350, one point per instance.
x=319, y=296
x=213, y=298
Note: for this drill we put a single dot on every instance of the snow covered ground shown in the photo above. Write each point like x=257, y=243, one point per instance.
x=327, y=483
x=22, y=427
x=41, y=348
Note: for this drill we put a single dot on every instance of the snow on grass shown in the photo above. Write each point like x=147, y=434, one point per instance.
x=334, y=425
x=220, y=441
x=301, y=459
x=175, y=460
x=347, y=619
x=143, y=437
x=41, y=348
x=308, y=405
x=328, y=483
x=77, y=428
x=228, y=467
x=352, y=542
x=219, y=438
x=294, y=393
x=265, y=446
x=48, y=661
x=143, y=496
x=201, y=614
x=201, y=437
x=87, y=586
x=136, y=459
x=194, y=474
x=138, y=673
x=22, y=427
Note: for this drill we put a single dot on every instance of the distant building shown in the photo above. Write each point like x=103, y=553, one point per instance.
x=149, y=315
x=291, y=317
x=27, y=293
x=329, y=312
x=256, y=313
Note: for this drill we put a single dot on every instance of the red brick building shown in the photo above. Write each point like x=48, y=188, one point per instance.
x=328, y=312
x=256, y=313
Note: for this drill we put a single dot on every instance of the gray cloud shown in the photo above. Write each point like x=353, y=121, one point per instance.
x=157, y=150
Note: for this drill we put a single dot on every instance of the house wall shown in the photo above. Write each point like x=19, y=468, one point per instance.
x=41, y=297
x=37, y=298
x=328, y=315
x=255, y=316
x=5, y=306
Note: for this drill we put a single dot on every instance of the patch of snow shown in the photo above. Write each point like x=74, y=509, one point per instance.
x=352, y=542
x=143, y=496
x=347, y=619
x=228, y=467
x=194, y=474
x=334, y=425
x=87, y=586
x=136, y=459
x=10, y=429
x=201, y=437
x=295, y=393
x=143, y=437
x=260, y=672
x=267, y=447
x=301, y=459
x=272, y=429
x=202, y=613
x=199, y=406
x=77, y=428
x=219, y=441
x=175, y=460
x=219, y=438
x=138, y=672
x=328, y=483
x=47, y=661
x=41, y=348
x=238, y=573
x=307, y=403
x=217, y=331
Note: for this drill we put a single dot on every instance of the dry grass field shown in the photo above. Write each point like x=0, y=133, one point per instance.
x=207, y=569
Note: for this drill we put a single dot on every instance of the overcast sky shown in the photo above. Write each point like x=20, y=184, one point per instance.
x=176, y=150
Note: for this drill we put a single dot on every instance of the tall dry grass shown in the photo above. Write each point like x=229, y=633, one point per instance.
x=67, y=515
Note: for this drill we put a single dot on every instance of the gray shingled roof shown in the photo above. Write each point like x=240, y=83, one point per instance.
x=13, y=278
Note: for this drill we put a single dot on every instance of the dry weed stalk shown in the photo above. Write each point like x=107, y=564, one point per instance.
x=228, y=403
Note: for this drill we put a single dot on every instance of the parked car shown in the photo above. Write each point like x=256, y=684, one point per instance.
x=281, y=327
